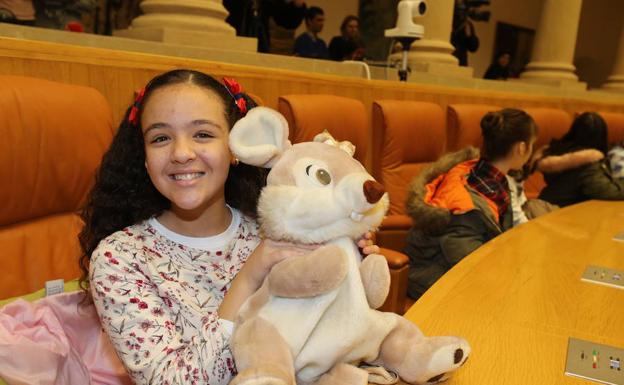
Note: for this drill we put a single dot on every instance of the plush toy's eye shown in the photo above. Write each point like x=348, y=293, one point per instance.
x=321, y=175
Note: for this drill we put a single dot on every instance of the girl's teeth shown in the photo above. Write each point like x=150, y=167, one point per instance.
x=187, y=176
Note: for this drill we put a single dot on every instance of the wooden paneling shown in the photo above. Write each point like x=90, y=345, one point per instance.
x=117, y=74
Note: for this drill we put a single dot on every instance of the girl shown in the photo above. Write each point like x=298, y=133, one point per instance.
x=170, y=246
x=575, y=167
x=349, y=45
x=460, y=202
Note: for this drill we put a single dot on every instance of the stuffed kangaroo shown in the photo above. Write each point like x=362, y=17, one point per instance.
x=313, y=320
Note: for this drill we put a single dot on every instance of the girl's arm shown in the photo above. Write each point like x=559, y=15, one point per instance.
x=147, y=327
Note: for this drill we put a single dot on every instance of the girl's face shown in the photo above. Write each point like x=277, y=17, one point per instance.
x=352, y=29
x=186, y=146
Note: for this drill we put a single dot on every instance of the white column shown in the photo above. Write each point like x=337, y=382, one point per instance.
x=555, y=40
x=615, y=82
x=198, y=23
x=202, y=15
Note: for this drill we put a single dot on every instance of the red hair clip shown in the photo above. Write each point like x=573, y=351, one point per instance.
x=236, y=90
x=134, y=111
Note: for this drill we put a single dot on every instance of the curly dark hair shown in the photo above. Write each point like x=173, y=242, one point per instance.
x=123, y=193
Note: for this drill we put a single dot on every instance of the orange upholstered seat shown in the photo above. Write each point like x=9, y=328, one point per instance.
x=54, y=137
x=615, y=125
x=344, y=118
x=407, y=135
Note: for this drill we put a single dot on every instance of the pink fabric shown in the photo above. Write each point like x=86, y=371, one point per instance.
x=55, y=341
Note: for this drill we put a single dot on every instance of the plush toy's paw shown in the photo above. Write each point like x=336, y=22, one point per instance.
x=447, y=355
x=376, y=279
x=262, y=376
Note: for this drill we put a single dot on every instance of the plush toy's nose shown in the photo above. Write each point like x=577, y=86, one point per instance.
x=373, y=191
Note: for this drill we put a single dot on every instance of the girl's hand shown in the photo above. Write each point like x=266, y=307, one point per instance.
x=366, y=244
x=250, y=277
x=269, y=253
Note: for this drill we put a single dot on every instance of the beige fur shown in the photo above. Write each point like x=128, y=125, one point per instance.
x=433, y=220
x=310, y=275
x=376, y=279
x=259, y=367
x=344, y=374
x=553, y=164
x=314, y=315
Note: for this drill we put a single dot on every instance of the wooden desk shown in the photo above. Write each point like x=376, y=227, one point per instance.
x=518, y=298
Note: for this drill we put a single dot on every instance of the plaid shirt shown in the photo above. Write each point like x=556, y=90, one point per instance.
x=491, y=183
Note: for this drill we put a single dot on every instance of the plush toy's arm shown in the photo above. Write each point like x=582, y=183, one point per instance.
x=376, y=279
x=309, y=275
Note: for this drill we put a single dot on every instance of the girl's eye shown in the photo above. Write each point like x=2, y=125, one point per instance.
x=159, y=139
x=204, y=135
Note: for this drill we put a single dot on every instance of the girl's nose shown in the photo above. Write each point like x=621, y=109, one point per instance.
x=183, y=151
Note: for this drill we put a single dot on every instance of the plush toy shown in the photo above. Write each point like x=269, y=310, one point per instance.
x=313, y=319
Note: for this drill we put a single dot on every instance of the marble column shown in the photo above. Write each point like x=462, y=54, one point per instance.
x=187, y=22
x=615, y=82
x=555, y=40
x=433, y=53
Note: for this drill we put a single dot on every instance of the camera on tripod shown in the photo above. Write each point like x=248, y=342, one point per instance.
x=406, y=31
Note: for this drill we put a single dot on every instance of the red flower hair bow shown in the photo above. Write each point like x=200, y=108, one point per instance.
x=236, y=90
x=134, y=111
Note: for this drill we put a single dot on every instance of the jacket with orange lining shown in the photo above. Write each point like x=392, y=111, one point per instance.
x=450, y=219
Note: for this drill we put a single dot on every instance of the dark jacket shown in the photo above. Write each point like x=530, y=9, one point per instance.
x=463, y=42
x=308, y=46
x=578, y=176
x=251, y=18
x=450, y=219
x=341, y=48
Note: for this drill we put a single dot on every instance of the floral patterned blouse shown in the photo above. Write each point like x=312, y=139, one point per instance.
x=157, y=295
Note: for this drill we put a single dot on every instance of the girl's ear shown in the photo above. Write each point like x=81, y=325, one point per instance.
x=522, y=148
x=260, y=138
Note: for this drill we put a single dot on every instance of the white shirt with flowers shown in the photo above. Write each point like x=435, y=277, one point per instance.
x=157, y=294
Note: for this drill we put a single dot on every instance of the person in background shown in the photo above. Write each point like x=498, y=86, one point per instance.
x=63, y=14
x=575, y=166
x=463, y=36
x=251, y=17
x=499, y=70
x=349, y=45
x=310, y=44
x=462, y=200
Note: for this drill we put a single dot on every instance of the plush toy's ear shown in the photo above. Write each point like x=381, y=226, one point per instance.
x=260, y=138
x=327, y=138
